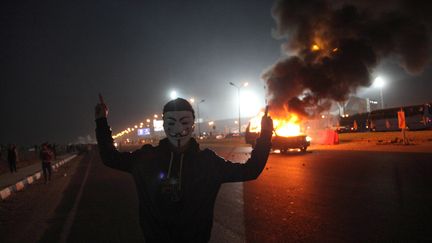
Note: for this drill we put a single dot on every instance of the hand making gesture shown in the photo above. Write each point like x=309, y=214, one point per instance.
x=101, y=109
x=266, y=121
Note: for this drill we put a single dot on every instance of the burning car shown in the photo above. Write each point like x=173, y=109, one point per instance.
x=286, y=135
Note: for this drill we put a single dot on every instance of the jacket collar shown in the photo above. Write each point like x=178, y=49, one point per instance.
x=166, y=146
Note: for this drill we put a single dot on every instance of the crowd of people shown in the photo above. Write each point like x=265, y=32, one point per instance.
x=46, y=153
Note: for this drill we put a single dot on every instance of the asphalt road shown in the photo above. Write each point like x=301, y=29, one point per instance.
x=334, y=196
x=341, y=196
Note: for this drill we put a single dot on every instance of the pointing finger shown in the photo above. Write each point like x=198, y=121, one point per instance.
x=266, y=111
x=101, y=100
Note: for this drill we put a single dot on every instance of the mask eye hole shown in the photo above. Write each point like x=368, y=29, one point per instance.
x=171, y=123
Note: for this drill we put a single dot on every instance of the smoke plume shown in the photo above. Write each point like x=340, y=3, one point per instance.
x=332, y=48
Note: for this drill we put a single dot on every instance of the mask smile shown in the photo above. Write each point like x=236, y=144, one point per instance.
x=181, y=134
x=178, y=126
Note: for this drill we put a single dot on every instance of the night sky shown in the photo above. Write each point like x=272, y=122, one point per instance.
x=56, y=56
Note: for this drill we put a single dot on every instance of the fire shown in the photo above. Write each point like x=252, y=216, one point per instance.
x=283, y=126
x=287, y=128
x=315, y=48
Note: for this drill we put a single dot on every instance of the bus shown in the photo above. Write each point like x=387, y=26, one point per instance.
x=354, y=123
x=417, y=117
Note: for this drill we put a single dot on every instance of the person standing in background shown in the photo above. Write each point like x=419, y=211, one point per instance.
x=46, y=155
x=54, y=150
x=12, y=158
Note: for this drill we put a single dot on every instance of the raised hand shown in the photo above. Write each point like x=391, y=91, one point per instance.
x=266, y=121
x=101, y=109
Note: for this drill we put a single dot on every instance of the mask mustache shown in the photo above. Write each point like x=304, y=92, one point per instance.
x=181, y=134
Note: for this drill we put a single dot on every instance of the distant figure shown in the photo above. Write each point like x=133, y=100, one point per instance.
x=35, y=151
x=177, y=182
x=46, y=155
x=12, y=157
x=54, y=150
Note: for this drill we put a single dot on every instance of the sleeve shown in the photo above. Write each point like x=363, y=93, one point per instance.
x=110, y=156
x=228, y=171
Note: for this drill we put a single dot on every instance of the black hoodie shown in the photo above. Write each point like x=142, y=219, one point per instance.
x=178, y=207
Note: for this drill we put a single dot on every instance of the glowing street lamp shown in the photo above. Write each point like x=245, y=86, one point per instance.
x=245, y=84
x=173, y=95
x=380, y=83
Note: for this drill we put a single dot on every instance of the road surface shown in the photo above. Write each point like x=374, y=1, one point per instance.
x=321, y=195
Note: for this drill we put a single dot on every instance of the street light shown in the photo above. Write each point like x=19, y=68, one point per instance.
x=238, y=94
x=198, y=117
x=173, y=95
x=379, y=82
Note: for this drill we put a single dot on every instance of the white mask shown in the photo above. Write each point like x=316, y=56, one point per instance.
x=178, y=126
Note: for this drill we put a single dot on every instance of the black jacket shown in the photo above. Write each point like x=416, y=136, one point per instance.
x=187, y=216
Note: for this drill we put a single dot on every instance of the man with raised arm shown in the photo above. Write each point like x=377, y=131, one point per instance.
x=177, y=182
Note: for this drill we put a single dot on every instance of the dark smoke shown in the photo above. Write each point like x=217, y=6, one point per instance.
x=351, y=38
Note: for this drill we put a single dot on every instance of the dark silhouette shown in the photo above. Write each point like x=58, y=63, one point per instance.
x=12, y=157
x=46, y=155
x=177, y=182
x=54, y=150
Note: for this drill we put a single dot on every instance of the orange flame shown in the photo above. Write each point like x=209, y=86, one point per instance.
x=315, y=48
x=283, y=126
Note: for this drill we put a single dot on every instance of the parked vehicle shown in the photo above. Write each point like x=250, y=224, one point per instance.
x=417, y=117
x=281, y=143
x=354, y=123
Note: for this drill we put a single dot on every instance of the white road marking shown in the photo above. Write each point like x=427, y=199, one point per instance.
x=71, y=216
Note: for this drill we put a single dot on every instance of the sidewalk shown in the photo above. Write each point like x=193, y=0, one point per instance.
x=13, y=182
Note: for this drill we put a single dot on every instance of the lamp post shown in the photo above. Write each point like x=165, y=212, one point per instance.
x=238, y=94
x=382, y=98
x=379, y=82
x=198, y=117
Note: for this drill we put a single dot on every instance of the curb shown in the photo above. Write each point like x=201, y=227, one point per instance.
x=20, y=185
